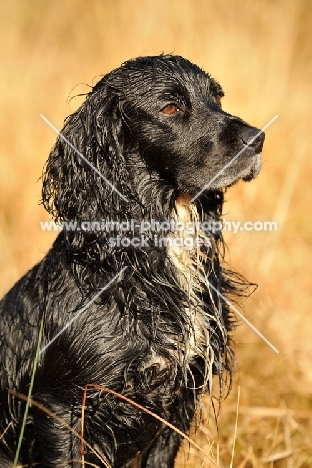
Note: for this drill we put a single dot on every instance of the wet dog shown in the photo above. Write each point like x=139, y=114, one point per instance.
x=132, y=292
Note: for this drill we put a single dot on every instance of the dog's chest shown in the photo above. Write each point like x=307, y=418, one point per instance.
x=187, y=258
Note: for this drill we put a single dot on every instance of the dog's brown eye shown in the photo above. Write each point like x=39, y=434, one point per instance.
x=170, y=109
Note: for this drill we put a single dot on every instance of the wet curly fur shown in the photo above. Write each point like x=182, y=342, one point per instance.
x=155, y=129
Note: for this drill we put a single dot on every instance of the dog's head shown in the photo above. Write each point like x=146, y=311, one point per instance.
x=172, y=109
x=157, y=115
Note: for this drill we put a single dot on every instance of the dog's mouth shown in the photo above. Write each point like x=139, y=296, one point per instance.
x=254, y=168
x=233, y=175
x=246, y=170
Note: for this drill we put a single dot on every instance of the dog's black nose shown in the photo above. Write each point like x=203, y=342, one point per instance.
x=254, y=138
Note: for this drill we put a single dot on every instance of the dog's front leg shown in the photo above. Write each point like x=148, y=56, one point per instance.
x=55, y=443
x=163, y=452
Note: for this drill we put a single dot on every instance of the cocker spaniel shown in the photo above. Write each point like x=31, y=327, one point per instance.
x=132, y=293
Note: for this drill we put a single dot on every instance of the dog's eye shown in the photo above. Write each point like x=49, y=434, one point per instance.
x=170, y=109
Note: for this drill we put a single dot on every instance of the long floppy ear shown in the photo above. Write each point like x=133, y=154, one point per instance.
x=85, y=177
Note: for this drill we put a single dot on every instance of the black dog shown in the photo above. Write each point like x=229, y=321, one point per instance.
x=154, y=135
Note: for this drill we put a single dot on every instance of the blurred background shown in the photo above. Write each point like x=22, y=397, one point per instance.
x=261, y=54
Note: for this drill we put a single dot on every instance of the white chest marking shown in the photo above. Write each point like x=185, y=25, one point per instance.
x=184, y=260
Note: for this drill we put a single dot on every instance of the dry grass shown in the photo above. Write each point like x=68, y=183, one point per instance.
x=260, y=52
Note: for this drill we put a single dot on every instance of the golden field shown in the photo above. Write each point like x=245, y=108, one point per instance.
x=261, y=54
